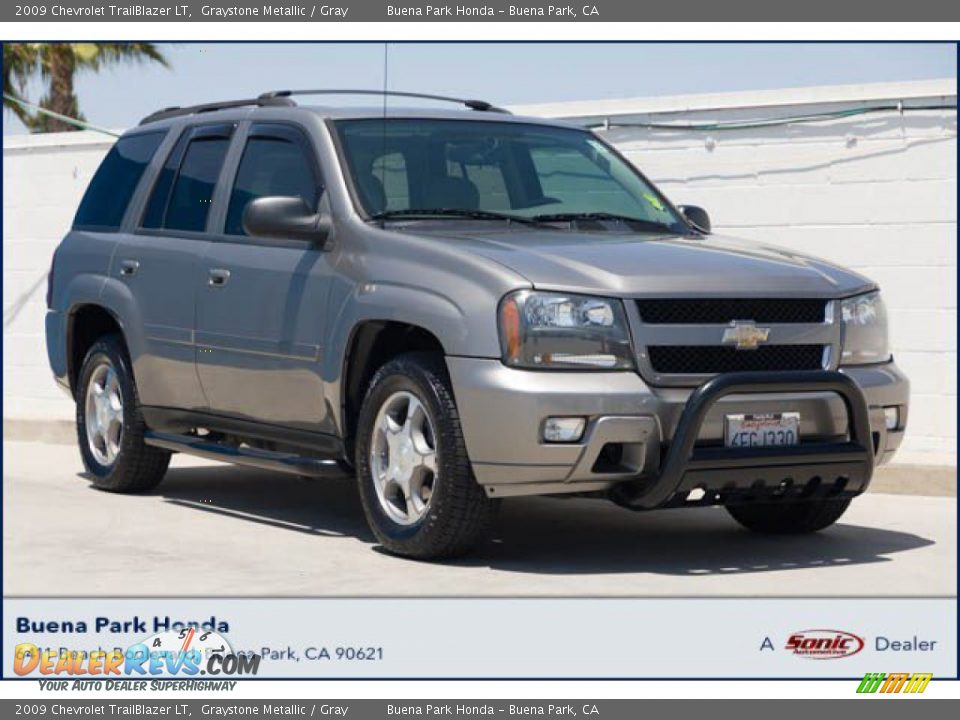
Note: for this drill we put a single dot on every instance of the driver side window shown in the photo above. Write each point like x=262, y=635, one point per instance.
x=270, y=166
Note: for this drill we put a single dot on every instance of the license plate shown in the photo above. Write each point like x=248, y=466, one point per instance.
x=762, y=430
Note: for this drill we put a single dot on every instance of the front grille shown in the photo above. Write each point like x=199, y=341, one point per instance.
x=710, y=359
x=723, y=310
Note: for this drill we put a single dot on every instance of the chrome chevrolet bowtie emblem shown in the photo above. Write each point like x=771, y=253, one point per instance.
x=745, y=334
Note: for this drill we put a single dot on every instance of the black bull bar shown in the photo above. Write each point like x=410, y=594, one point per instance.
x=767, y=474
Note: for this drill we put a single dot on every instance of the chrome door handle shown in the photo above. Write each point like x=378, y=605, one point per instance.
x=129, y=267
x=218, y=277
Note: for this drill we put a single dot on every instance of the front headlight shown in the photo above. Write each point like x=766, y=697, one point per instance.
x=542, y=330
x=865, y=330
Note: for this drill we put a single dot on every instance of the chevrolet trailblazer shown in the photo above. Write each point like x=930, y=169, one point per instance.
x=456, y=307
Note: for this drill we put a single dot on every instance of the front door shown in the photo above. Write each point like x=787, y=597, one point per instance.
x=261, y=311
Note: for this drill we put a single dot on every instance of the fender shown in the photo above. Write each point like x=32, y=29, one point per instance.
x=117, y=299
x=390, y=302
x=112, y=296
x=81, y=289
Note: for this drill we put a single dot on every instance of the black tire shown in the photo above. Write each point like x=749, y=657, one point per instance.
x=789, y=517
x=137, y=467
x=459, y=515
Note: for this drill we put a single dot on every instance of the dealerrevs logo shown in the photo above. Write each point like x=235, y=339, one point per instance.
x=173, y=652
x=824, y=644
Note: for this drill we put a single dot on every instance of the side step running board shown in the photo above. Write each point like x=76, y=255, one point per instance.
x=289, y=463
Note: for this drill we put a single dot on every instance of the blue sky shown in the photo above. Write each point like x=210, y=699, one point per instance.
x=500, y=73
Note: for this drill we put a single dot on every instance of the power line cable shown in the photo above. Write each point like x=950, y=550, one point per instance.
x=771, y=122
x=609, y=125
x=82, y=124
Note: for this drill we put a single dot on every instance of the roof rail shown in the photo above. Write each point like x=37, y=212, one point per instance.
x=479, y=105
x=283, y=98
x=176, y=111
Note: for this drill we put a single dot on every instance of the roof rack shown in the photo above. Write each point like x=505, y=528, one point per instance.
x=478, y=105
x=283, y=98
x=177, y=111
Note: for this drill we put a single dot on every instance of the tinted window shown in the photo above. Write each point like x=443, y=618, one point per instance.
x=573, y=178
x=193, y=189
x=390, y=171
x=508, y=167
x=157, y=205
x=487, y=178
x=112, y=186
x=270, y=166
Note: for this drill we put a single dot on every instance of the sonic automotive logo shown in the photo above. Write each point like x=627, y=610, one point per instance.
x=173, y=652
x=824, y=644
x=894, y=683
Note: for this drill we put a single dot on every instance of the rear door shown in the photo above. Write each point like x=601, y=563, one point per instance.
x=262, y=305
x=160, y=263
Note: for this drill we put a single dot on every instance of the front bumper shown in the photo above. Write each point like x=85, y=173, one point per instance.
x=502, y=411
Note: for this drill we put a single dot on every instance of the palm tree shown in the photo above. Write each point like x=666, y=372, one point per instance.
x=57, y=64
x=19, y=61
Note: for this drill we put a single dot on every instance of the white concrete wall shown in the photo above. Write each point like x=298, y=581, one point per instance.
x=44, y=177
x=877, y=193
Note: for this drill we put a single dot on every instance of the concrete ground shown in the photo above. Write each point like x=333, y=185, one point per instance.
x=216, y=530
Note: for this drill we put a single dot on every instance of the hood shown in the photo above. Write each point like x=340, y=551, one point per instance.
x=630, y=264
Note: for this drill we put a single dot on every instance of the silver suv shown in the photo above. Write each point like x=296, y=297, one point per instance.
x=456, y=307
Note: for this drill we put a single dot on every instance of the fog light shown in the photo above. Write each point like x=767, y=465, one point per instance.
x=891, y=416
x=563, y=429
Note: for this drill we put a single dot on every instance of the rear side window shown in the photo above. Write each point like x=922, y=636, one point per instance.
x=270, y=166
x=109, y=193
x=157, y=205
x=193, y=191
x=183, y=192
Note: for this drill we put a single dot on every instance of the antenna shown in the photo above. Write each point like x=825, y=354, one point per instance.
x=383, y=156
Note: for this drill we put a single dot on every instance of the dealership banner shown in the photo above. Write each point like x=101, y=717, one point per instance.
x=210, y=644
x=477, y=11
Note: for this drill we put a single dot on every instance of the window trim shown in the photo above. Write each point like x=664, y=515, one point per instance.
x=221, y=130
x=267, y=130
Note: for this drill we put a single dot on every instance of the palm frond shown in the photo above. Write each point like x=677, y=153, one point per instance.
x=19, y=64
x=113, y=53
x=56, y=64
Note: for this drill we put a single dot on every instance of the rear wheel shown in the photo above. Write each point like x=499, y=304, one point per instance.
x=419, y=494
x=789, y=517
x=110, y=426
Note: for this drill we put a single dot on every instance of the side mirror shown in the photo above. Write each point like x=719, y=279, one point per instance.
x=285, y=218
x=697, y=217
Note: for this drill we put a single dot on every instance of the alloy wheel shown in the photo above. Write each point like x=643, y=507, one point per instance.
x=104, y=414
x=403, y=458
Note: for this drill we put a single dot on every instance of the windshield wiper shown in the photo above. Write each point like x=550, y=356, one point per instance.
x=638, y=223
x=414, y=213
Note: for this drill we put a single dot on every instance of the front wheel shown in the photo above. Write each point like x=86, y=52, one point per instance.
x=418, y=491
x=789, y=517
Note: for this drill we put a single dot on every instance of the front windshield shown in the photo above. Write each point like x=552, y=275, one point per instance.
x=516, y=169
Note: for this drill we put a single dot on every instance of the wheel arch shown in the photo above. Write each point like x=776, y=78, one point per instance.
x=371, y=344
x=86, y=323
x=95, y=305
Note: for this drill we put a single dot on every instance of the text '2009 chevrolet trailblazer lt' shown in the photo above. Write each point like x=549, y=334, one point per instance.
x=457, y=307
